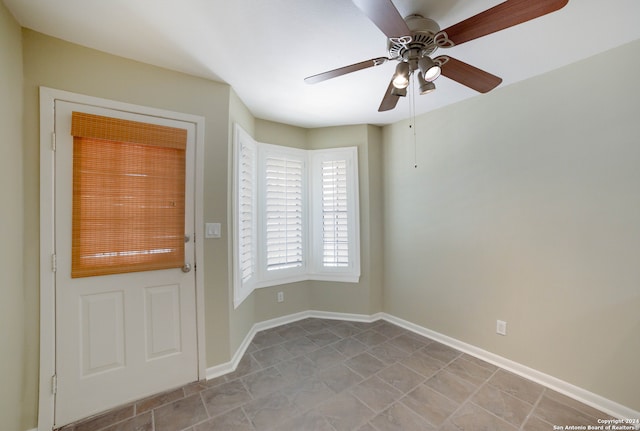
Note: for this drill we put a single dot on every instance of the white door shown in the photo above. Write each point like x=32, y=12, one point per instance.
x=119, y=337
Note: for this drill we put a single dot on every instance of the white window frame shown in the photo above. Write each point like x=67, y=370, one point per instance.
x=312, y=267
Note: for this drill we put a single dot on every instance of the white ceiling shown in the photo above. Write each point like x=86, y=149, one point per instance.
x=264, y=49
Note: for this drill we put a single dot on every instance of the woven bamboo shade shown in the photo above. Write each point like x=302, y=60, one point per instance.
x=128, y=196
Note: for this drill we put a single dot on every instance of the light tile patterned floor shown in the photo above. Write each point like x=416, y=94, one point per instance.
x=330, y=375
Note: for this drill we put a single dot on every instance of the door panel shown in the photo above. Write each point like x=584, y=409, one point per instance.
x=102, y=326
x=119, y=337
x=162, y=306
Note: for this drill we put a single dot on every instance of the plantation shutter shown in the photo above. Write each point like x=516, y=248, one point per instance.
x=283, y=212
x=335, y=214
x=247, y=210
x=128, y=196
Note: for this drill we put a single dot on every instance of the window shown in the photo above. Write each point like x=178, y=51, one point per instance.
x=295, y=215
x=128, y=196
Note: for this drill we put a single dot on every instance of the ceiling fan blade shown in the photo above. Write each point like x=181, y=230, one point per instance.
x=504, y=15
x=385, y=16
x=468, y=75
x=390, y=100
x=344, y=70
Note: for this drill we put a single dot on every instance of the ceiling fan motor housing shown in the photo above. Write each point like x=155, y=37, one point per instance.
x=422, y=41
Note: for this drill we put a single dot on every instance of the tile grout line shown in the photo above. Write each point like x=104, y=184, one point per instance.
x=206, y=410
x=485, y=383
x=535, y=406
x=244, y=413
x=443, y=368
x=471, y=395
x=418, y=415
x=494, y=415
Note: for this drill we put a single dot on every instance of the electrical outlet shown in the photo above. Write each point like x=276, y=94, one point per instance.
x=501, y=327
x=280, y=296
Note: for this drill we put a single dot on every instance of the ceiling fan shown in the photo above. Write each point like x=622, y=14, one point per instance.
x=412, y=41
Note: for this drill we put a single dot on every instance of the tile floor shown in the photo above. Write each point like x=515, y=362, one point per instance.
x=330, y=375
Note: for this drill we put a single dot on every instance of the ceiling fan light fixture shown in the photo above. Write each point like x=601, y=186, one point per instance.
x=429, y=68
x=402, y=92
x=425, y=87
x=401, y=77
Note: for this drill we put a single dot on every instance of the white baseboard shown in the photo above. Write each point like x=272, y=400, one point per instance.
x=589, y=398
x=345, y=316
x=228, y=367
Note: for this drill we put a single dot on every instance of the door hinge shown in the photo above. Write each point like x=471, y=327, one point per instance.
x=54, y=384
x=53, y=141
x=54, y=262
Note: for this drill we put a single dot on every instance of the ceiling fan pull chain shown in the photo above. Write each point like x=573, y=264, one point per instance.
x=412, y=124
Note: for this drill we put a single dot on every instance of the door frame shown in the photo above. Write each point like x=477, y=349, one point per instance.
x=48, y=96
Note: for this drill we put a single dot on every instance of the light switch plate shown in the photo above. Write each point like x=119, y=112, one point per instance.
x=212, y=230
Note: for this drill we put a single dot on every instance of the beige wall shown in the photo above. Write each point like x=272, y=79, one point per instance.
x=525, y=207
x=374, y=253
x=11, y=225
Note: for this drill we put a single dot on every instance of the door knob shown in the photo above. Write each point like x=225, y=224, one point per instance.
x=186, y=267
